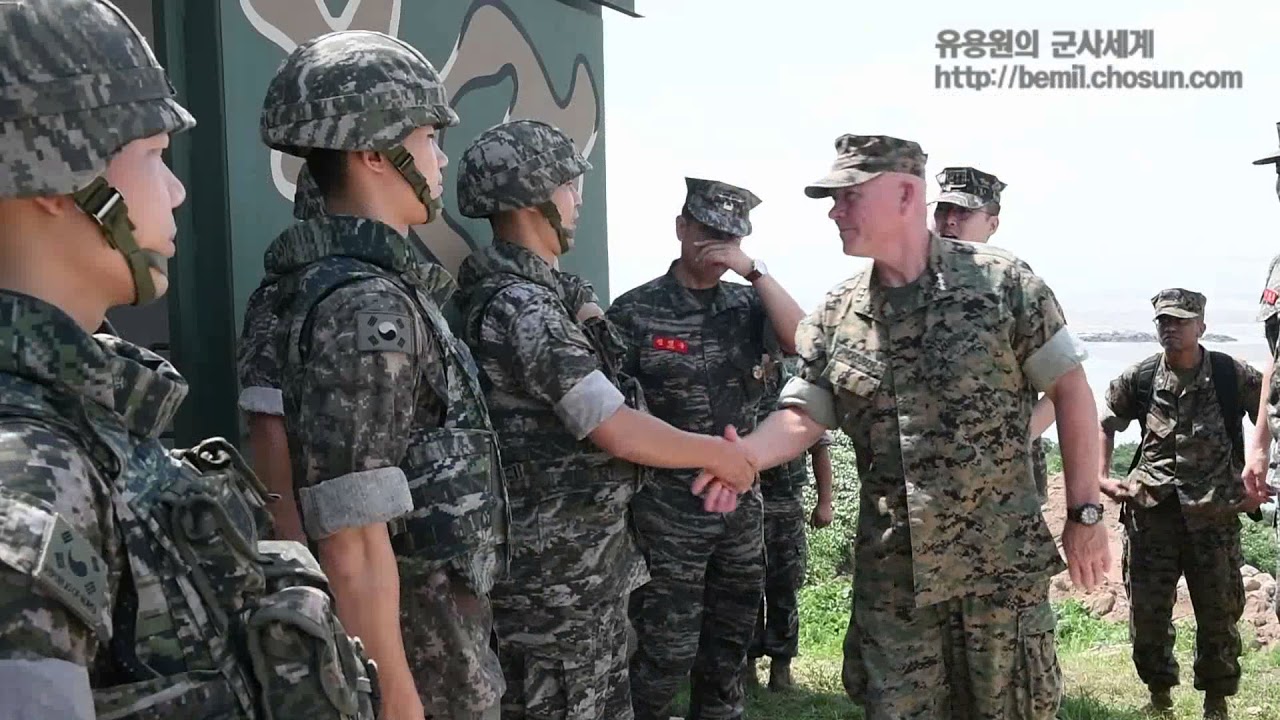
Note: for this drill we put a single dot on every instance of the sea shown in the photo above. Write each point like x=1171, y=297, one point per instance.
x=1108, y=359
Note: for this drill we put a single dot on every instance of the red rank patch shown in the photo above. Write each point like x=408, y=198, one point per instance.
x=672, y=344
x=1270, y=296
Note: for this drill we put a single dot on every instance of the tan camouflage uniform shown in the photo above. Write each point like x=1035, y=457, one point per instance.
x=1182, y=517
x=934, y=383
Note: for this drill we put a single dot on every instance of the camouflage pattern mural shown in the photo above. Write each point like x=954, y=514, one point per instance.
x=500, y=59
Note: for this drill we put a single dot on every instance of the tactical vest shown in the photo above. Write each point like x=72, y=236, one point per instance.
x=453, y=470
x=536, y=478
x=210, y=620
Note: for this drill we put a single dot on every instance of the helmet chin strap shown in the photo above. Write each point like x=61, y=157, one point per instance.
x=106, y=206
x=402, y=159
x=552, y=214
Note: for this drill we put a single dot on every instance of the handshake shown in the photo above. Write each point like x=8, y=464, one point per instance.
x=732, y=470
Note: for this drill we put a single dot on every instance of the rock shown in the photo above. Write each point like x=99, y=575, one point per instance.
x=1062, y=583
x=1252, y=584
x=1101, y=604
x=1248, y=570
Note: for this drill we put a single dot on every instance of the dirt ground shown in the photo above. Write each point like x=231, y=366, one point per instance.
x=1110, y=601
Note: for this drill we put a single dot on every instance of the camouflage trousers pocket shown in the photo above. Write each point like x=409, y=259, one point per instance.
x=203, y=694
x=305, y=663
x=1037, y=676
x=559, y=688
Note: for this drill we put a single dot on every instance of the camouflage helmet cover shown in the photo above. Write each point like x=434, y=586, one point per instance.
x=78, y=82
x=352, y=90
x=516, y=164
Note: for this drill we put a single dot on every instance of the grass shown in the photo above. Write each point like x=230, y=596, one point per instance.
x=1095, y=654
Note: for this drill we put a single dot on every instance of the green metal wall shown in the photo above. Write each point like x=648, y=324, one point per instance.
x=501, y=58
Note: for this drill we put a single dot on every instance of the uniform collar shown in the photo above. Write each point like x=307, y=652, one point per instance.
x=43, y=344
x=682, y=300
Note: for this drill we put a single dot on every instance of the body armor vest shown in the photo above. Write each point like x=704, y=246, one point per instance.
x=591, y=467
x=210, y=620
x=459, y=500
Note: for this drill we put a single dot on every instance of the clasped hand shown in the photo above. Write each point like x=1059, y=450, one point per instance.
x=731, y=472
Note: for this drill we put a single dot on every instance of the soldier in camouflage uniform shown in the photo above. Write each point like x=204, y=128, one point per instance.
x=701, y=349
x=392, y=450
x=1262, y=474
x=928, y=360
x=969, y=210
x=786, y=551
x=1181, y=499
x=258, y=371
x=570, y=428
x=134, y=581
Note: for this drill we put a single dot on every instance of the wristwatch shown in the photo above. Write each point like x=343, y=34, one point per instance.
x=758, y=270
x=1087, y=514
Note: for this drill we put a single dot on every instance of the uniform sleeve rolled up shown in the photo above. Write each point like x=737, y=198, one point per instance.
x=355, y=500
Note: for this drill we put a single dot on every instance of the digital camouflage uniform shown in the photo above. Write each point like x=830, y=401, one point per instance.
x=701, y=357
x=127, y=568
x=383, y=408
x=1269, y=315
x=934, y=384
x=550, y=381
x=1182, y=517
x=972, y=189
x=786, y=549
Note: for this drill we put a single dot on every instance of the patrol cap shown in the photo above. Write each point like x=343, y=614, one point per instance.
x=1179, y=303
x=860, y=158
x=720, y=206
x=969, y=187
x=1274, y=157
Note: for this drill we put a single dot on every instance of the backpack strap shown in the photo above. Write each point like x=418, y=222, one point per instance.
x=1225, y=386
x=1142, y=394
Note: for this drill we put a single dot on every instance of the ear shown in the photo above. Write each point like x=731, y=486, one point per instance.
x=372, y=160
x=995, y=224
x=681, y=227
x=56, y=205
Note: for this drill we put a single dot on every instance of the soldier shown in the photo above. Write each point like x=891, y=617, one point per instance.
x=969, y=210
x=1259, y=483
x=571, y=429
x=777, y=632
x=928, y=360
x=259, y=375
x=1181, y=498
x=391, y=446
x=701, y=350
x=134, y=582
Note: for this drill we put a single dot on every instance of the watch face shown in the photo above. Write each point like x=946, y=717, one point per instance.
x=1090, y=514
x=760, y=268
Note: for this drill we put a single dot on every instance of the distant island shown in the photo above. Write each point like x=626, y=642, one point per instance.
x=1135, y=336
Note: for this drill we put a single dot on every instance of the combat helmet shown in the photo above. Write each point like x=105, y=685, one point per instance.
x=518, y=164
x=79, y=82
x=356, y=90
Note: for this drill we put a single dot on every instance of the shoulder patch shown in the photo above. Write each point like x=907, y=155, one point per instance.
x=62, y=563
x=384, y=332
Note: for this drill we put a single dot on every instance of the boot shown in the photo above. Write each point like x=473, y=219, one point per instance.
x=780, y=675
x=1215, y=707
x=1161, y=703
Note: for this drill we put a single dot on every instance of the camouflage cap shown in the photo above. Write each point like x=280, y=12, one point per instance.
x=1180, y=303
x=860, y=158
x=720, y=206
x=352, y=90
x=969, y=187
x=78, y=82
x=1274, y=157
x=513, y=165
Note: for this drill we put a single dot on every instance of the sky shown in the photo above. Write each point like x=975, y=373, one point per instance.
x=1112, y=194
